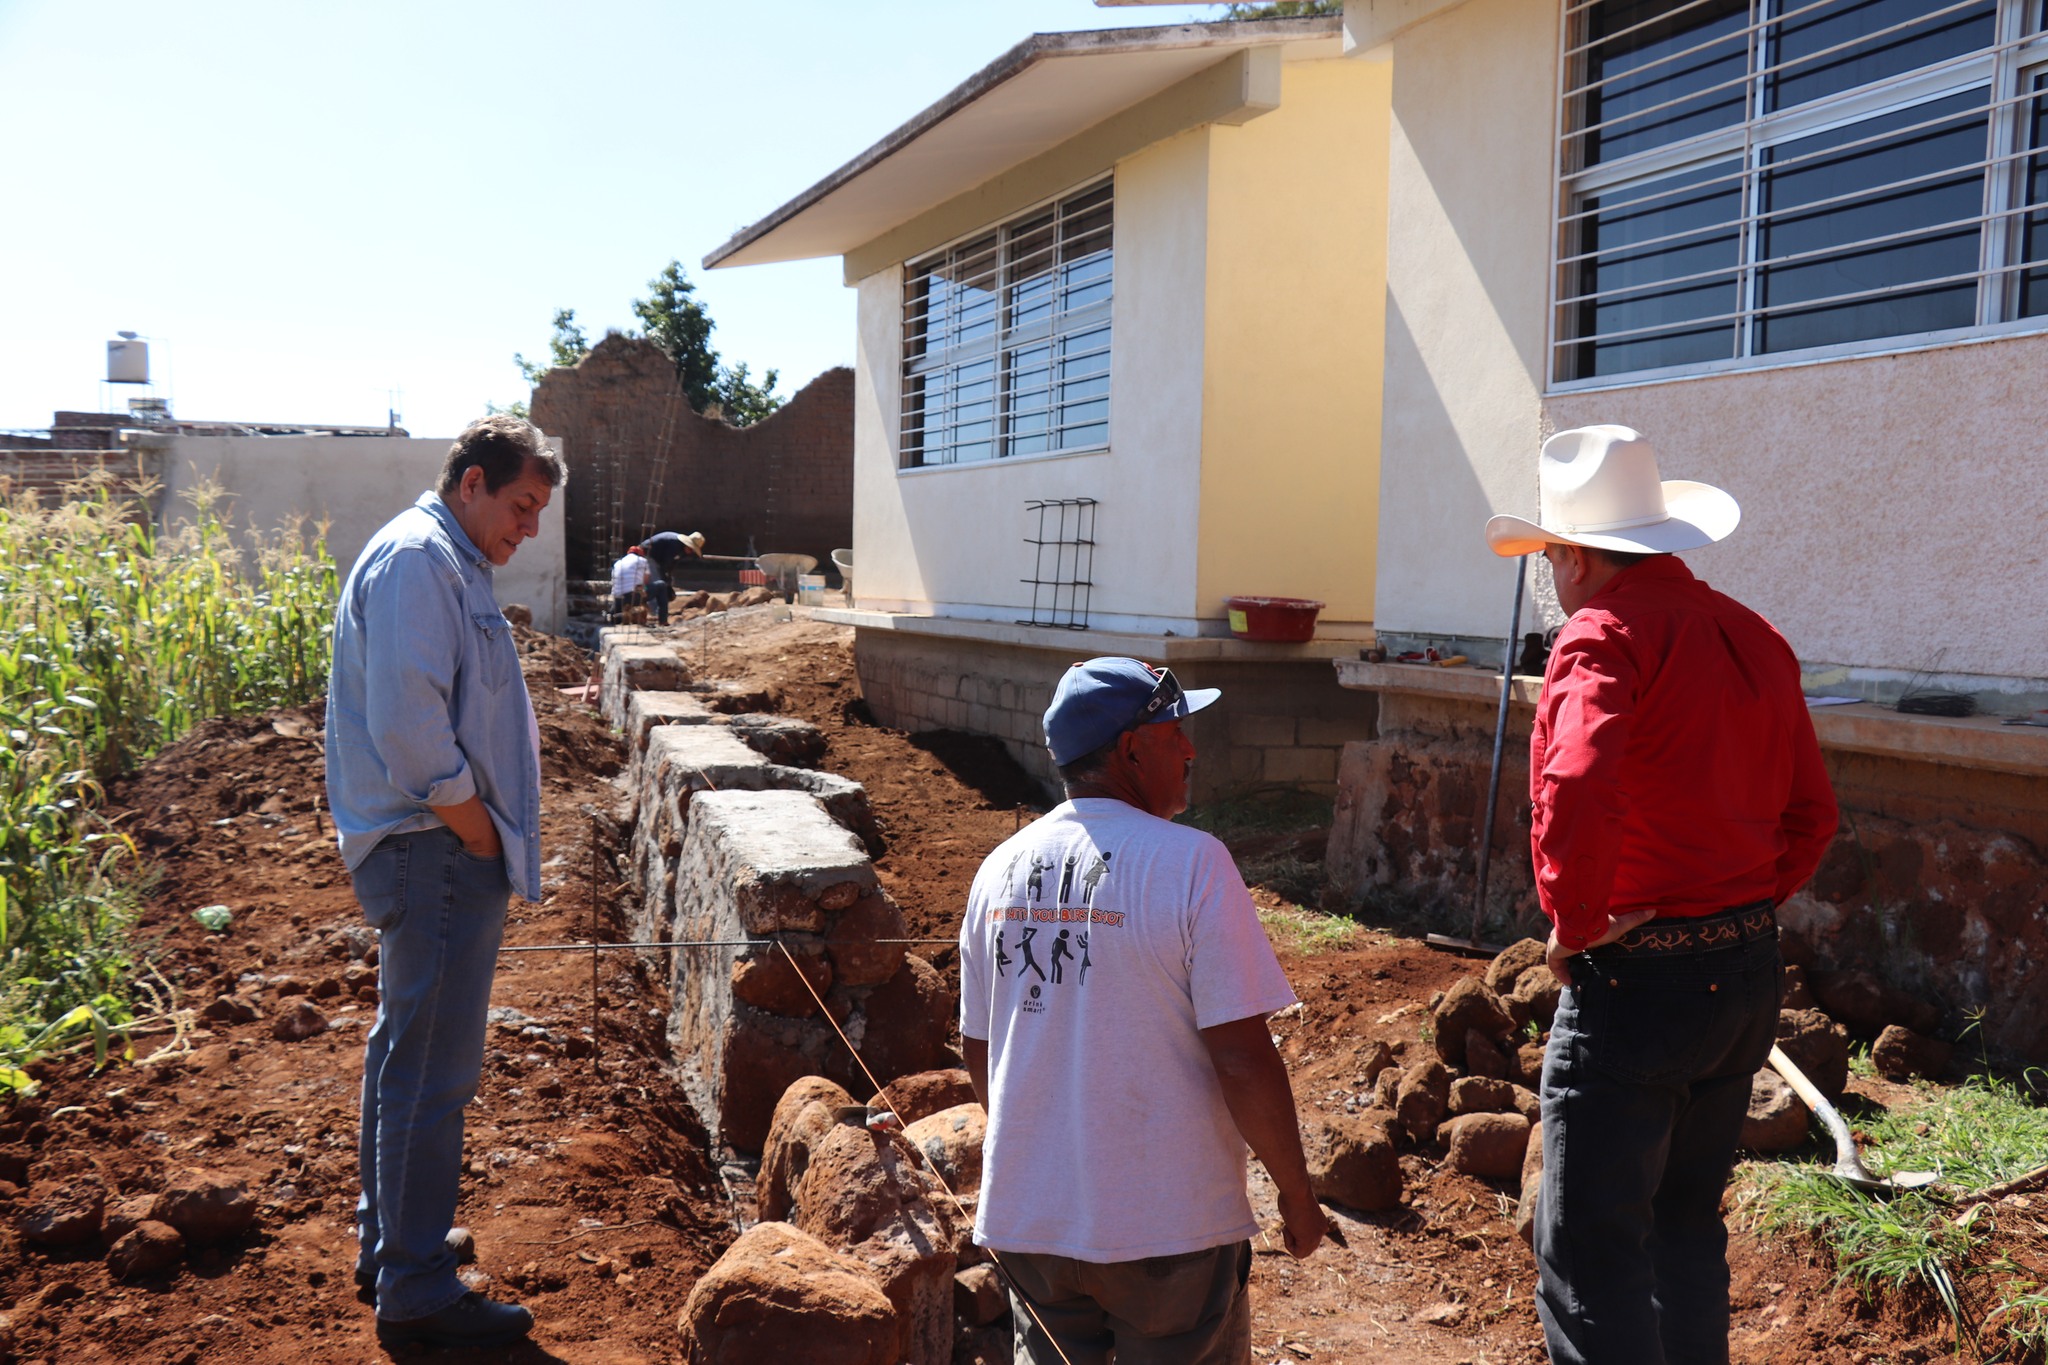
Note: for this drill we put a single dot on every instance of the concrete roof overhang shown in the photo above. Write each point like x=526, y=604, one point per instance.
x=1033, y=98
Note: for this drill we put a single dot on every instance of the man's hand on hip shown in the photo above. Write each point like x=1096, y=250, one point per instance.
x=1560, y=956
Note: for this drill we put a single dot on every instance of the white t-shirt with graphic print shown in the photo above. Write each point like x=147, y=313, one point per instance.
x=1098, y=942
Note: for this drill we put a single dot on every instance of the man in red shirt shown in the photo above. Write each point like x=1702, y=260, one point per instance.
x=1678, y=796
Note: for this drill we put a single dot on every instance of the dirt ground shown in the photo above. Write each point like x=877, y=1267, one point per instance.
x=590, y=1192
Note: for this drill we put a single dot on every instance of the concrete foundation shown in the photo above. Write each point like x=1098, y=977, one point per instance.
x=1282, y=722
x=748, y=856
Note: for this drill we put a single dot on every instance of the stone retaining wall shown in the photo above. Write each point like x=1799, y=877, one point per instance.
x=748, y=855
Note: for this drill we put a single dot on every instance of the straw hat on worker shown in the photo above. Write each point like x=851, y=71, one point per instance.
x=1600, y=487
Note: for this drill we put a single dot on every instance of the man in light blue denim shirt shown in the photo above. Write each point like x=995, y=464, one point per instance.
x=433, y=775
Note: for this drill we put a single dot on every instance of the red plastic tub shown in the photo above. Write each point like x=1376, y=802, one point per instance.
x=1281, y=620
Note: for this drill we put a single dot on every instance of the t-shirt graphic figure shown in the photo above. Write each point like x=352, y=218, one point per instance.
x=1034, y=885
x=1003, y=958
x=1082, y=979
x=1060, y=950
x=1024, y=937
x=1092, y=878
x=1067, y=880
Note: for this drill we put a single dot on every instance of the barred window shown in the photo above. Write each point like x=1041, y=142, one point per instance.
x=1749, y=180
x=1006, y=338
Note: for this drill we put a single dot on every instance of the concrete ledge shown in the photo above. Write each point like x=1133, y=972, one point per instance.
x=638, y=668
x=1474, y=684
x=1981, y=743
x=646, y=710
x=1086, y=644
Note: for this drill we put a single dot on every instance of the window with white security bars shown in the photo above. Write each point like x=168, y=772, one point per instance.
x=1006, y=338
x=1748, y=182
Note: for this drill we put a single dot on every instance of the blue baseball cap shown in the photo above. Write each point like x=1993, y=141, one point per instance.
x=1098, y=700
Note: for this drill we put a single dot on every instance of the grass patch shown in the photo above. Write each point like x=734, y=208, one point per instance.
x=1300, y=930
x=1980, y=1134
x=1280, y=811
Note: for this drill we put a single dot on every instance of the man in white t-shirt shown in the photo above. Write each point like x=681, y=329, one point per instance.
x=1114, y=989
x=629, y=574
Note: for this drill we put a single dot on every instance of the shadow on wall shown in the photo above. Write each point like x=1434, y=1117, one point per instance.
x=632, y=441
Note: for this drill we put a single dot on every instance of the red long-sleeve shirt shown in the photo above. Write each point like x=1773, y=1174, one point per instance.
x=1673, y=763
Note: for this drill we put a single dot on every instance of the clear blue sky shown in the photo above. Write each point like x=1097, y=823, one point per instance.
x=307, y=208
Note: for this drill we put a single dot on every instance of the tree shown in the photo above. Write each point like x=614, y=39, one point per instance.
x=1283, y=9
x=567, y=346
x=676, y=322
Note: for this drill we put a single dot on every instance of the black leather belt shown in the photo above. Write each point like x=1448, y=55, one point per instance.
x=1723, y=929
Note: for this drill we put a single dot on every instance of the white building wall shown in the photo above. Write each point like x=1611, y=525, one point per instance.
x=951, y=540
x=1469, y=199
x=355, y=484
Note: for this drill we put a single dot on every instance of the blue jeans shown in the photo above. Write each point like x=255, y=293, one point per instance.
x=440, y=914
x=1645, y=1085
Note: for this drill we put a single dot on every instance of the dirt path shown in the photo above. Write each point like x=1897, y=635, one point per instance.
x=589, y=1190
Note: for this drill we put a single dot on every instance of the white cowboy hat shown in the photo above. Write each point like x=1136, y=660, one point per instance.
x=695, y=540
x=1599, y=487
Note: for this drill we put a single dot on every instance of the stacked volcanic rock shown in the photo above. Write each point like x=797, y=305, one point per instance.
x=144, y=1237
x=862, y=1256
x=1472, y=1089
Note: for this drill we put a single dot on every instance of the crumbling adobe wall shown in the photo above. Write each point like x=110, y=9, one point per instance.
x=744, y=855
x=1936, y=883
x=786, y=483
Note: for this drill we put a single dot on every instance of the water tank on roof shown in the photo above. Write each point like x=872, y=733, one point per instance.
x=127, y=360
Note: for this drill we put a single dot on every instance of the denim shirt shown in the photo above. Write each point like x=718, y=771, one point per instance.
x=426, y=705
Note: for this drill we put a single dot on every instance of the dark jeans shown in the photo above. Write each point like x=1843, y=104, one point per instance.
x=658, y=595
x=1645, y=1086
x=439, y=915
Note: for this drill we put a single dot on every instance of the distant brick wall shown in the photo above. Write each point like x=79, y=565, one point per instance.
x=47, y=470
x=786, y=483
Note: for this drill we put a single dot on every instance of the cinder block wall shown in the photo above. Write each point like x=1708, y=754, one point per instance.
x=786, y=482
x=1279, y=724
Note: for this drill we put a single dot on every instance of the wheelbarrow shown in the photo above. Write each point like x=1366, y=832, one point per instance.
x=842, y=560
x=783, y=570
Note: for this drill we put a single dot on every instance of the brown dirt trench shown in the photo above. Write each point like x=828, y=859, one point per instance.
x=589, y=1189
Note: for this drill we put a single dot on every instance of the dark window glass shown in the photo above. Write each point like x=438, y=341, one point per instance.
x=1637, y=239
x=1807, y=69
x=1660, y=71
x=2033, y=234
x=1855, y=199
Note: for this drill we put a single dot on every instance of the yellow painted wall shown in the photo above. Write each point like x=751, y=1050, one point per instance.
x=1296, y=328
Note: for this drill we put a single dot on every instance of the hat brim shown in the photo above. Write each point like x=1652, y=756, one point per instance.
x=1699, y=514
x=1191, y=700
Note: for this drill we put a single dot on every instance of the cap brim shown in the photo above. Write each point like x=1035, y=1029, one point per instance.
x=1700, y=514
x=1191, y=701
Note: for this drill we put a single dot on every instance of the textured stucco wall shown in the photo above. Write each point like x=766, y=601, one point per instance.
x=356, y=484
x=1891, y=505
x=955, y=535
x=1296, y=325
x=1469, y=195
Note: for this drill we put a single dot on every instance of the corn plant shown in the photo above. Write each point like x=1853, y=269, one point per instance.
x=114, y=640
